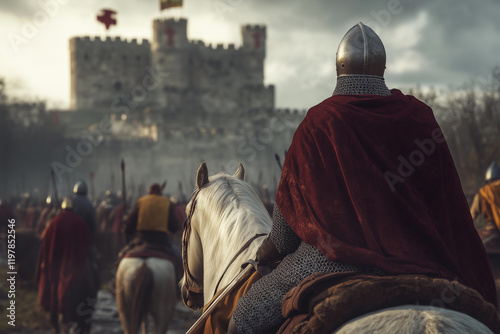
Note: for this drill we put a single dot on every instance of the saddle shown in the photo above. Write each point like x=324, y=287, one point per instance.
x=323, y=302
x=142, y=249
x=491, y=238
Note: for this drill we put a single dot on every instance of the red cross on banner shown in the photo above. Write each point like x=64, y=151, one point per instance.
x=107, y=18
x=256, y=39
x=170, y=36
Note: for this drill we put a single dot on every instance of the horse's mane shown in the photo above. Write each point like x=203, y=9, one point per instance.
x=227, y=215
x=230, y=195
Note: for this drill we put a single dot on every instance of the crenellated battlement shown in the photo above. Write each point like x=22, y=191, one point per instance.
x=181, y=20
x=112, y=41
x=254, y=27
x=103, y=68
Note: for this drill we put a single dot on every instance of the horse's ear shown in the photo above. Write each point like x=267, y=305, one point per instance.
x=240, y=173
x=202, y=175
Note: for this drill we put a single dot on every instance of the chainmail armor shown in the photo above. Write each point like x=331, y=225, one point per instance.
x=283, y=237
x=361, y=85
x=259, y=311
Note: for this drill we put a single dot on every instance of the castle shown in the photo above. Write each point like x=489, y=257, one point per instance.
x=174, y=102
x=196, y=76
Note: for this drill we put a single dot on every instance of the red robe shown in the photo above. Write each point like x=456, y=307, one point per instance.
x=369, y=180
x=63, y=256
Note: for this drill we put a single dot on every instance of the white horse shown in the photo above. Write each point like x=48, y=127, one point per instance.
x=225, y=212
x=145, y=287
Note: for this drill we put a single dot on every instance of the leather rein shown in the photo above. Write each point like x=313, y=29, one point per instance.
x=189, y=283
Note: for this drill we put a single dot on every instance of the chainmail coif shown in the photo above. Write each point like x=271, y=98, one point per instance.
x=361, y=85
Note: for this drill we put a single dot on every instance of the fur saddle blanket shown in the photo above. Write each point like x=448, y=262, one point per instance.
x=323, y=302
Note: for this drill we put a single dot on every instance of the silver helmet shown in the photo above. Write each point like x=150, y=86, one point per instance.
x=80, y=188
x=67, y=203
x=492, y=173
x=361, y=52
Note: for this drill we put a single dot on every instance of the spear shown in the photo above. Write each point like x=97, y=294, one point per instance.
x=92, y=189
x=53, y=176
x=164, y=184
x=124, y=193
x=277, y=157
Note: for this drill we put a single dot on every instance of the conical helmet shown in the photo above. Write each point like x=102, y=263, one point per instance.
x=492, y=173
x=80, y=188
x=361, y=52
x=67, y=203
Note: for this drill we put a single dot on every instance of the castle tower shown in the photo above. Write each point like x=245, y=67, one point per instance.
x=104, y=71
x=169, y=49
x=254, y=48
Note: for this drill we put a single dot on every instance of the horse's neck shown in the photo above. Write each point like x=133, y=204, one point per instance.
x=222, y=243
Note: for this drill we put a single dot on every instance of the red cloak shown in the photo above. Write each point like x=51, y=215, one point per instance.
x=369, y=180
x=62, y=260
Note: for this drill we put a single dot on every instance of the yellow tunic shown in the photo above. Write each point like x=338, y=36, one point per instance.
x=153, y=213
x=490, y=202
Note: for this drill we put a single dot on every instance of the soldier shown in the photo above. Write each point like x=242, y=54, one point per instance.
x=486, y=203
x=84, y=208
x=149, y=224
x=47, y=214
x=368, y=185
x=65, y=287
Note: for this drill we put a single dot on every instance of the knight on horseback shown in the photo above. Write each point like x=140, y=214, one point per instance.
x=486, y=205
x=148, y=226
x=148, y=267
x=368, y=186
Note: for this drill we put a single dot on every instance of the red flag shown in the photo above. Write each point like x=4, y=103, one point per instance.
x=165, y=4
x=107, y=18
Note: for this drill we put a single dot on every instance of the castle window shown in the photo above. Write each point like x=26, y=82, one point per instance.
x=118, y=86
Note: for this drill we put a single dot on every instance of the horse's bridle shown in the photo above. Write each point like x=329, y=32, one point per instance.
x=189, y=283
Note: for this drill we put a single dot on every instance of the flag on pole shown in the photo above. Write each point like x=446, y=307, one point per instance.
x=166, y=4
x=107, y=17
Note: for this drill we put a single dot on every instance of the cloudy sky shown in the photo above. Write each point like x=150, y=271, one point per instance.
x=428, y=42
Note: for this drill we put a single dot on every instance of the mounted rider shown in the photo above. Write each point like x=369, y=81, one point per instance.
x=486, y=203
x=368, y=186
x=148, y=227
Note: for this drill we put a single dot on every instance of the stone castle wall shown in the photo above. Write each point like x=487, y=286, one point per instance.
x=197, y=76
x=102, y=70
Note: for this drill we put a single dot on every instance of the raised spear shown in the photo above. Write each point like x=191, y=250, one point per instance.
x=53, y=176
x=124, y=189
x=277, y=157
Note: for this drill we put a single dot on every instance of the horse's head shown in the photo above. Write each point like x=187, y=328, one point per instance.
x=210, y=211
